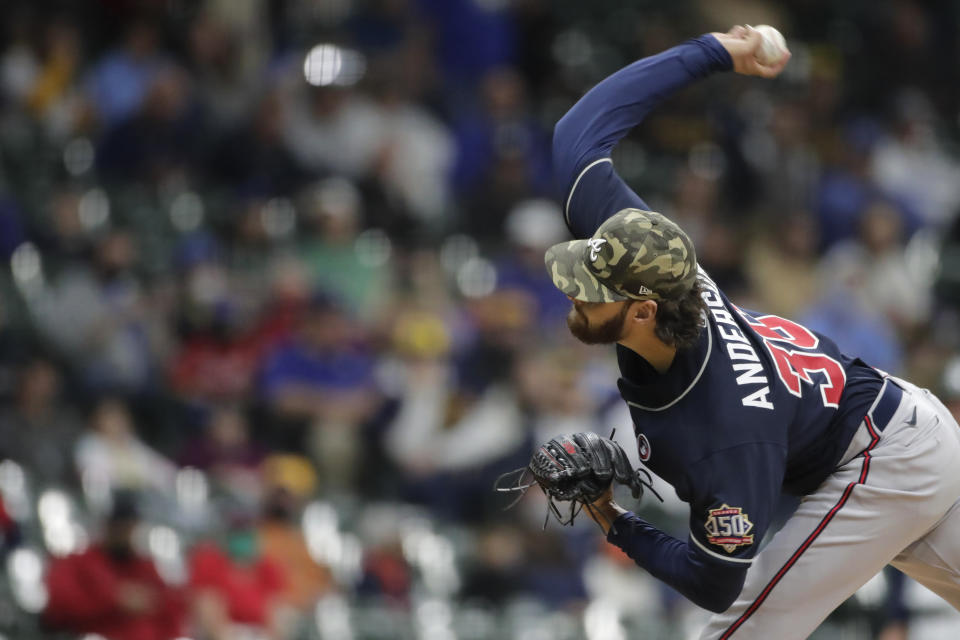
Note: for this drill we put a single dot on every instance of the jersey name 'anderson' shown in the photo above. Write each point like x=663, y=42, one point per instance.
x=746, y=363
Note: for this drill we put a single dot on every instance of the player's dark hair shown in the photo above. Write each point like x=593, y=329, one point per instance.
x=680, y=321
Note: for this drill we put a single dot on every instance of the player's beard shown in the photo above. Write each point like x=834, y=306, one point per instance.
x=607, y=332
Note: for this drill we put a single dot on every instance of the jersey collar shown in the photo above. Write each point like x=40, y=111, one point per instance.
x=644, y=388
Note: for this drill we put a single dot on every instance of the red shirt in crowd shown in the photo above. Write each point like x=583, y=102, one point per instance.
x=247, y=589
x=91, y=592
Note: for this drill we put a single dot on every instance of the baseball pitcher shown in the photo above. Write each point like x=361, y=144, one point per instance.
x=733, y=406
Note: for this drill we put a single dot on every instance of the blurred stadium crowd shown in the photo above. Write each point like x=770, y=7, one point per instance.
x=273, y=314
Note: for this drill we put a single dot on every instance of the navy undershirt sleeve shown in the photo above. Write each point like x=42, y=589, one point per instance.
x=711, y=585
x=594, y=125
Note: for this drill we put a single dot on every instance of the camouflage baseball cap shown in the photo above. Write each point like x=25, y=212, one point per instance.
x=634, y=255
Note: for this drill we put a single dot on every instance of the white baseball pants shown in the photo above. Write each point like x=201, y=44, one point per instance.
x=894, y=499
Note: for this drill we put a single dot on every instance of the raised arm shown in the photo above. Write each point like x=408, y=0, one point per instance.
x=590, y=189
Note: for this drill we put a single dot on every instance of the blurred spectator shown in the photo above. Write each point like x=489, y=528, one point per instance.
x=97, y=316
x=111, y=453
x=503, y=155
x=784, y=156
x=321, y=384
x=503, y=127
x=552, y=571
x=555, y=394
x=12, y=232
x=947, y=285
x=64, y=238
x=226, y=452
x=252, y=158
x=119, y=82
x=950, y=386
x=19, y=65
x=289, y=472
x=111, y=590
x=220, y=347
x=161, y=140
x=262, y=231
x=223, y=79
x=912, y=163
x=416, y=149
x=845, y=189
x=282, y=541
x=471, y=39
x=497, y=573
x=781, y=264
x=451, y=439
x=335, y=129
x=386, y=573
x=235, y=586
x=532, y=227
x=54, y=97
x=383, y=26
x=39, y=430
x=217, y=360
x=696, y=206
x=876, y=262
x=840, y=313
x=337, y=260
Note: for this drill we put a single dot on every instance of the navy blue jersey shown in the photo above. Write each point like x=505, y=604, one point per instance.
x=759, y=406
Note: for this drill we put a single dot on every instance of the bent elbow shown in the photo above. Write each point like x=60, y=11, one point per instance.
x=717, y=602
x=718, y=587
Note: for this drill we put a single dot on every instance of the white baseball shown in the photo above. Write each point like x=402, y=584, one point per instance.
x=773, y=47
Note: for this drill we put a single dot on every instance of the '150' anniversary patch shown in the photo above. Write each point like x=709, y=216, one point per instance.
x=728, y=527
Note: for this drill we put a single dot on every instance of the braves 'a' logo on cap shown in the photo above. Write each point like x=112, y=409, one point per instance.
x=728, y=527
x=643, y=447
x=595, y=244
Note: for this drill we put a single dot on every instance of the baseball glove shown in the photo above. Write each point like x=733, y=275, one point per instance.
x=576, y=469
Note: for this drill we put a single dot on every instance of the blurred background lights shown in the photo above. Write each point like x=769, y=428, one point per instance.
x=477, y=277
x=78, y=156
x=951, y=376
x=373, y=247
x=332, y=617
x=62, y=534
x=25, y=568
x=874, y=591
x=13, y=488
x=320, y=518
x=53, y=507
x=27, y=265
x=572, y=48
x=456, y=250
x=186, y=211
x=96, y=490
x=94, y=209
x=163, y=543
x=601, y=621
x=279, y=218
x=164, y=546
x=328, y=64
x=192, y=489
x=342, y=552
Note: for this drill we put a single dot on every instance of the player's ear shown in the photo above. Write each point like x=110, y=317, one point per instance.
x=644, y=311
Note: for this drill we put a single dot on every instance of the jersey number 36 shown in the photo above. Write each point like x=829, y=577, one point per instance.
x=795, y=365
